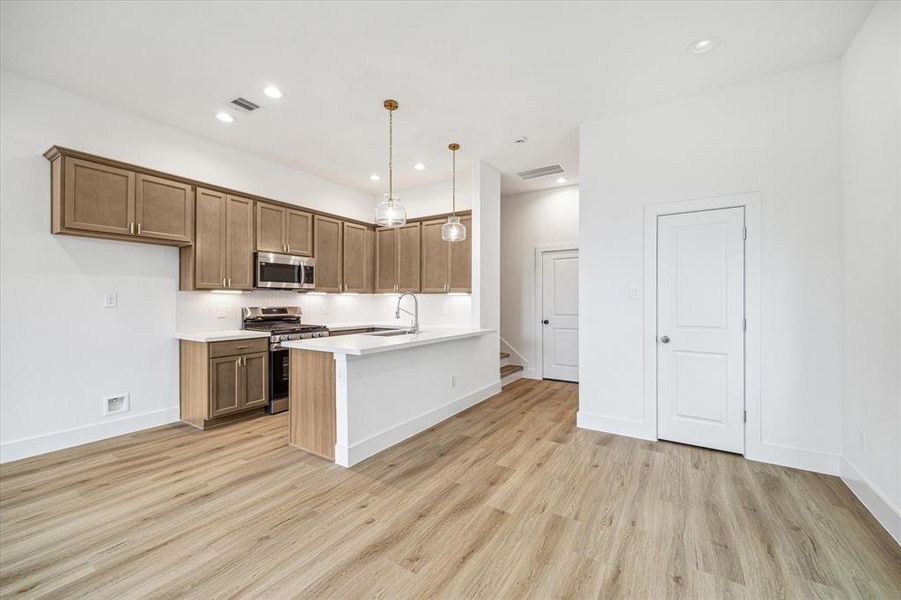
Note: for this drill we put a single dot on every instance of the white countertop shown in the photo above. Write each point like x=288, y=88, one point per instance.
x=221, y=335
x=363, y=343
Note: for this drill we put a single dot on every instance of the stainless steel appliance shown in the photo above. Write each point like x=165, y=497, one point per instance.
x=284, y=271
x=283, y=323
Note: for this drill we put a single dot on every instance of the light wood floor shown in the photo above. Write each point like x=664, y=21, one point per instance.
x=506, y=500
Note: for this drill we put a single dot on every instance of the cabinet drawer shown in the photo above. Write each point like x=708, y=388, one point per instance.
x=232, y=347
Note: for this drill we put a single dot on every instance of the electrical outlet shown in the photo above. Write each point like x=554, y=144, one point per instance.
x=113, y=405
x=444, y=308
x=453, y=381
x=220, y=312
x=633, y=292
x=110, y=300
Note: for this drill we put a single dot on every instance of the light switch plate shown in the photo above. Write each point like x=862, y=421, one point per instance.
x=110, y=300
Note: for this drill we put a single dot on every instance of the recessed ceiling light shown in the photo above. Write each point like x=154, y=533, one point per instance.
x=419, y=167
x=224, y=117
x=703, y=45
x=561, y=180
x=272, y=91
x=374, y=177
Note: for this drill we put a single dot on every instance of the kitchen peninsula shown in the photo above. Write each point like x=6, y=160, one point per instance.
x=353, y=396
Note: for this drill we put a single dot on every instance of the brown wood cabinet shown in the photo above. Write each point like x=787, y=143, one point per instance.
x=222, y=254
x=220, y=379
x=358, y=260
x=96, y=199
x=329, y=253
x=398, y=258
x=446, y=266
x=283, y=230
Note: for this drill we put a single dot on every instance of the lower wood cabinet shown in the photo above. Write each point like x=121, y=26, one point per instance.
x=220, y=379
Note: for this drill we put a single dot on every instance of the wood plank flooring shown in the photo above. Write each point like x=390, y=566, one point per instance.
x=506, y=500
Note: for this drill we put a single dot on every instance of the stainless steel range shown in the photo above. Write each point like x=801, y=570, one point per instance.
x=283, y=323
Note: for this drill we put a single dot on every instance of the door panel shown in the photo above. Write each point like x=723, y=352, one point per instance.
x=256, y=379
x=164, y=209
x=209, y=244
x=409, y=244
x=98, y=197
x=225, y=386
x=239, y=243
x=461, y=261
x=354, y=258
x=369, y=259
x=328, y=241
x=435, y=257
x=299, y=232
x=560, y=310
x=270, y=228
x=386, y=260
x=700, y=311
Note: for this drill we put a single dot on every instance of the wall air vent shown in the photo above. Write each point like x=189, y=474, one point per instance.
x=541, y=172
x=244, y=104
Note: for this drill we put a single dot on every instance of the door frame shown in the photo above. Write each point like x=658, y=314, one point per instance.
x=540, y=250
x=751, y=202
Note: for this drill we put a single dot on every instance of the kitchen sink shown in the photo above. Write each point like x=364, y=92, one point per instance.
x=391, y=332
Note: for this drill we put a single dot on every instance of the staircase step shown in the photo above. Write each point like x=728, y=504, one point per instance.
x=509, y=370
x=505, y=355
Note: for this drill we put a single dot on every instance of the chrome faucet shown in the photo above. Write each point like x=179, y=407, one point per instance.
x=414, y=314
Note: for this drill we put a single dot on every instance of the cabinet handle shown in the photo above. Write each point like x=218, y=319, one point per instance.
x=237, y=362
x=244, y=361
x=139, y=229
x=229, y=284
x=241, y=347
x=287, y=247
x=131, y=228
x=223, y=282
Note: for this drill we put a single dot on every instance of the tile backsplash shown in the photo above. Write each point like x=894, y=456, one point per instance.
x=202, y=311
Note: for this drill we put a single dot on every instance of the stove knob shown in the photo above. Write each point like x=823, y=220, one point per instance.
x=276, y=338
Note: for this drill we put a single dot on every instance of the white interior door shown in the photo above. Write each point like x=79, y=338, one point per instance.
x=700, y=328
x=560, y=315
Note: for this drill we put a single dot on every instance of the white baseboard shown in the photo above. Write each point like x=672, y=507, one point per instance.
x=76, y=436
x=874, y=499
x=626, y=427
x=348, y=456
x=796, y=458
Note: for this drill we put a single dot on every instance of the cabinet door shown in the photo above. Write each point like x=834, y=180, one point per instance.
x=256, y=379
x=435, y=257
x=99, y=198
x=209, y=242
x=270, y=228
x=369, y=260
x=354, y=263
x=225, y=385
x=328, y=243
x=164, y=209
x=239, y=243
x=461, y=261
x=386, y=260
x=299, y=232
x=409, y=245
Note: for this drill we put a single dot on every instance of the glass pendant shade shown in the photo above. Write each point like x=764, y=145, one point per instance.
x=453, y=230
x=390, y=213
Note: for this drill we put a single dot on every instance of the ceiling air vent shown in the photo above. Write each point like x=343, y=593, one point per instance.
x=244, y=104
x=541, y=172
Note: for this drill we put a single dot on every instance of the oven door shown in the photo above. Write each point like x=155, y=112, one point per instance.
x=283, y=271
x=279, y=368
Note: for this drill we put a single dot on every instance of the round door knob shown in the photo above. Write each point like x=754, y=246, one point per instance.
x=665, y=339
x=546, y=322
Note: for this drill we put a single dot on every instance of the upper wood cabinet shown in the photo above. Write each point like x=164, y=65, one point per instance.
x=358, y=258
x=329, y=252
x=284, y=230
x=222, y=254
x=398, y=258
x=446, y=266
x=164, y=209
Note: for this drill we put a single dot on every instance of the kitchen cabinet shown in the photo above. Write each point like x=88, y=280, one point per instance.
x=398, y=258
x=221, y=379
x=95, y=199
x=446, y=266
x=283, y=230
x=328, y=234
x=222, y=254
x=357, y=261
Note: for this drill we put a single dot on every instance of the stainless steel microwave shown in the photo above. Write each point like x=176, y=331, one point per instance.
x=284, y=272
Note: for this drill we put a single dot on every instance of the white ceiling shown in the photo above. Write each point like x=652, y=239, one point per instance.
x=477, y=73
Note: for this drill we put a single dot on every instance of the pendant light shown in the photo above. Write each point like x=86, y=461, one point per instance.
x=390, y=212
x=453, y=230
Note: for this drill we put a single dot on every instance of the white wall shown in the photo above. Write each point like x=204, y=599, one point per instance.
x=528, y=220
x=779, y=136
x=486, y=247
x=871, y=162
x=60, y=351
x=434, y=198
